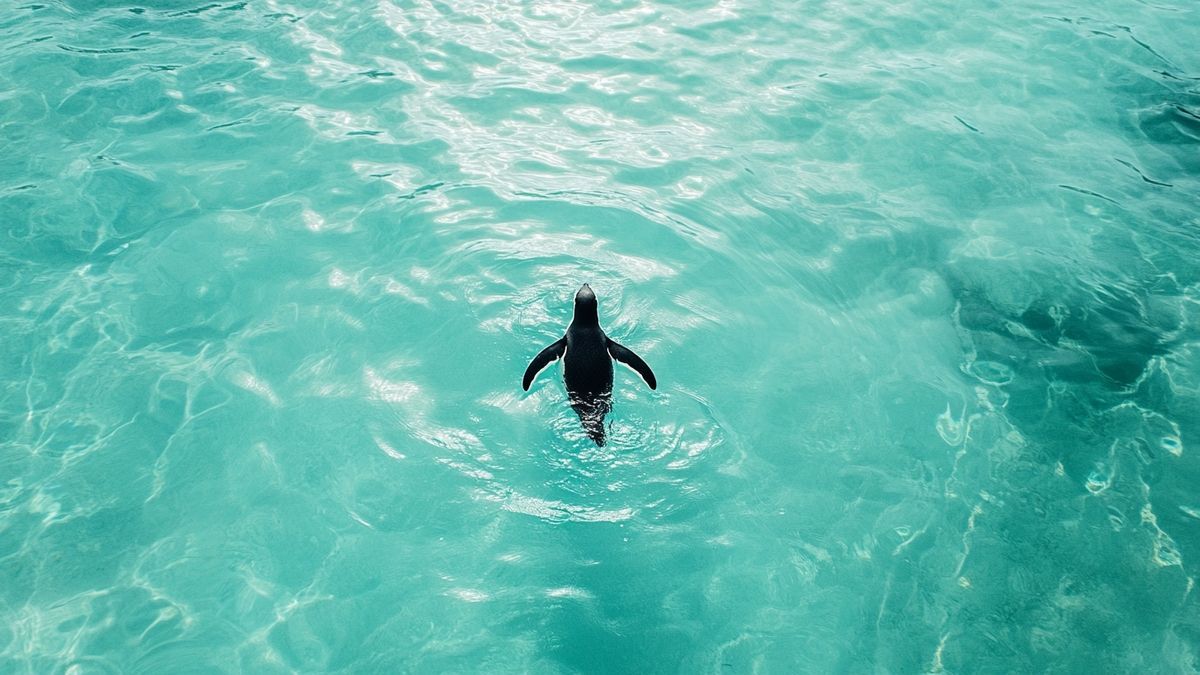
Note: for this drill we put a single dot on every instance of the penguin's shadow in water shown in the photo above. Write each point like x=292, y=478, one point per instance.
x=592, y=411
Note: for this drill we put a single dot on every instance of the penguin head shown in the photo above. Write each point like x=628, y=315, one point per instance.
x=586, y=306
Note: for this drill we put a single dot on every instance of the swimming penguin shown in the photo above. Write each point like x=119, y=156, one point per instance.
x=587, y=355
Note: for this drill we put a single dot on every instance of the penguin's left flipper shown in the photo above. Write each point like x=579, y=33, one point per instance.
x=544, y=358
x=626, y=356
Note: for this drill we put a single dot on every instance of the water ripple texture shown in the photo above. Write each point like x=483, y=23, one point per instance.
x=918, y=280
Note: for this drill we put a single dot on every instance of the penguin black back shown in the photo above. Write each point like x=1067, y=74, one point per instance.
x=587, y=355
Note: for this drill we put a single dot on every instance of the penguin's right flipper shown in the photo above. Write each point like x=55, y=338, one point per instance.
x=625, y=355
x=544, y=358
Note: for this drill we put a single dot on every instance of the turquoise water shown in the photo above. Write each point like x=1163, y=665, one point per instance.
x=918, y=281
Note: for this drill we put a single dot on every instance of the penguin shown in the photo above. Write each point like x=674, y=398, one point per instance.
x=587, y=355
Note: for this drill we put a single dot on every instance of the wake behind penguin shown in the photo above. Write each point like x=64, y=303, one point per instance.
x=587, y=355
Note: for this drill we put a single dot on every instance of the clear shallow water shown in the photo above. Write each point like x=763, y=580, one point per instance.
x=918, y=282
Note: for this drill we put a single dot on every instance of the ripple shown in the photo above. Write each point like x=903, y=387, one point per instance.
x=557, y=512
x=990, y=372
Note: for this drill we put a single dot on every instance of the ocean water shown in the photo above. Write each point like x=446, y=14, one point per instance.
x=919, y=282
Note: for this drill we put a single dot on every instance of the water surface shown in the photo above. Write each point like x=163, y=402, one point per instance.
x=914, y=278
